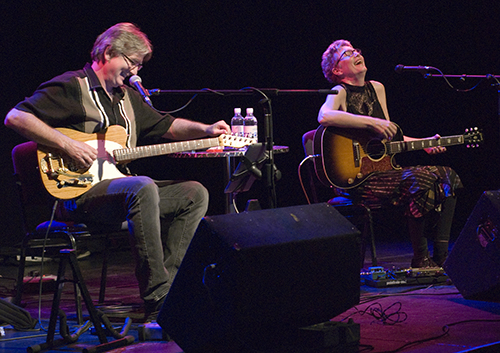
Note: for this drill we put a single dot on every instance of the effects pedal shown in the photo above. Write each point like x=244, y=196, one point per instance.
x=379, y=277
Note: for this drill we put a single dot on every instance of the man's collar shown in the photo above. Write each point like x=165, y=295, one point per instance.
x=93, y=79
x=96, y=84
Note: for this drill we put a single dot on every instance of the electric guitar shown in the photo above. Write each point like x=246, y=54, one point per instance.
x=348, y=157
x=63, y=179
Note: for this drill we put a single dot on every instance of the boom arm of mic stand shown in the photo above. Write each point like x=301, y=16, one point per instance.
x=267, y=91
x=465, y=76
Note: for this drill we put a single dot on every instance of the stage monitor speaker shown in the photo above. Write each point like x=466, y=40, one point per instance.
x=474, y=261
x=249, y=281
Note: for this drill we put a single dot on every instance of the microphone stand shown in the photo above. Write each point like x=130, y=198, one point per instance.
x=465, y=76
x=272, y=174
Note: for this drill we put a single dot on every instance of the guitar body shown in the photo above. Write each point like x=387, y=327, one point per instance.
x=64, y=180
x=348, y=156
x=73, y=182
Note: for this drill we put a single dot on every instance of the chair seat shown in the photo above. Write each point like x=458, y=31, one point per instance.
x=340, y=201
x=58, y=225
x=81, y=227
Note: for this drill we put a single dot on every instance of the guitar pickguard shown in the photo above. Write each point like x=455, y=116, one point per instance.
x=104, y=166
x=369, y=166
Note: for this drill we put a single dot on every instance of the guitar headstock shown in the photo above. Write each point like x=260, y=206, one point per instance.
x=473, y=137
x=235, y=141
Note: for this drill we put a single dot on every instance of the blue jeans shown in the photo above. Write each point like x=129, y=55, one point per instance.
x=162, y=218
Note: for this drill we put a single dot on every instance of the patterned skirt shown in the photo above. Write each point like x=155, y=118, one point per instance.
x=418, y=189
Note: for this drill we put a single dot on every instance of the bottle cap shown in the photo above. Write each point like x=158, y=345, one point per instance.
x=249, y=110
x=237, y=110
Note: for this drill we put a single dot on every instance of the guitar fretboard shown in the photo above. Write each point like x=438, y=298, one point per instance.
x=403, y=146
x=129, y=154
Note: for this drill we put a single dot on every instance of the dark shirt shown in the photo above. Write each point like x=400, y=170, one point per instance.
x=77, y=100
x=363, y=100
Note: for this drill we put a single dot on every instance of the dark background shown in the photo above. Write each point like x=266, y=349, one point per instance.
x=266, y=44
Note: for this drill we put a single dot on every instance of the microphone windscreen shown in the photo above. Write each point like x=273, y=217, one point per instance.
x=135, y=78
x=399, y=68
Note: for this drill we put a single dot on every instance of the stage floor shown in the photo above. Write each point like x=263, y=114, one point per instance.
x=419, y=317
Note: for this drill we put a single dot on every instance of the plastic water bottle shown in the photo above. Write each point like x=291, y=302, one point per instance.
x=237, y=123
x=250, y=125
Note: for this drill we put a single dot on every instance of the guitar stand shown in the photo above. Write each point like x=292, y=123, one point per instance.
x=101, y=323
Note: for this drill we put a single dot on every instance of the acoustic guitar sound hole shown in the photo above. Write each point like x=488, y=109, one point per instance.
x=375, y=149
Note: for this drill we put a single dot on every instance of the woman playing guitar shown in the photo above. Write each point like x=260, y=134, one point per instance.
x=360, y=109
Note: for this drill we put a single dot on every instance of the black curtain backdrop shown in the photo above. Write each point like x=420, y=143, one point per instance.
x=231, y=45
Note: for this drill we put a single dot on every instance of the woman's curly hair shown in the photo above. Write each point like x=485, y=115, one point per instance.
x=330, y=59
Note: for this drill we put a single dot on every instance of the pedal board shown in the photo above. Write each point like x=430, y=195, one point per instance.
x=379, y=277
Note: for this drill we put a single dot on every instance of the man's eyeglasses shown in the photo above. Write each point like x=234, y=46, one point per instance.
x=348, y=53
x=131, y=63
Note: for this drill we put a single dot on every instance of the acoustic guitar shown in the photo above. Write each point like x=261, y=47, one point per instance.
x=64, y=180
x=348, y=157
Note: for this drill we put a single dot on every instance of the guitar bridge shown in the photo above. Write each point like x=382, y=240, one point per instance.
x=47, y=166
x=54, y=168
x=356, y=153
x=76, y=182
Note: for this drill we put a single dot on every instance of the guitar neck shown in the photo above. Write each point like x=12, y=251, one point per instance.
x=406, y=146
x=124, y=155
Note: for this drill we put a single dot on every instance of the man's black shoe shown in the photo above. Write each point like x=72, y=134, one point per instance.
x=152, y=309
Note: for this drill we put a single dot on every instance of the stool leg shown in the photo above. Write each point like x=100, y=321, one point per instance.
x=69, y=255
x=104, y=272
x=78, y=301
x=94, y=317
x=20, y=277
x=56, y=301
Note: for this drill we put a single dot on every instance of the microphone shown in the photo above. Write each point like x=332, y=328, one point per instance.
x=421, y=69
x=137, y=82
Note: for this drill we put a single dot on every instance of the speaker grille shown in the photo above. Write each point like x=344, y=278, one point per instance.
x=253, y=279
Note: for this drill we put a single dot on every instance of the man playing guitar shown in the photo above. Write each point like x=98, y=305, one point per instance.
x=162, y=216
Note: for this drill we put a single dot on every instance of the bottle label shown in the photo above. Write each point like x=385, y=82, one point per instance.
x=250, y=131
x=237, y=130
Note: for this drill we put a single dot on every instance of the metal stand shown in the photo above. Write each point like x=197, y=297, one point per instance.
x=97, y=318
x=271, y=173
